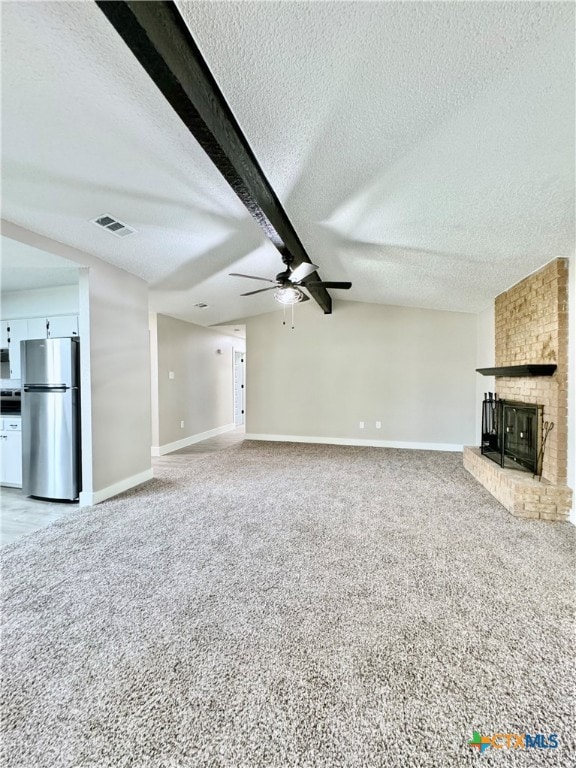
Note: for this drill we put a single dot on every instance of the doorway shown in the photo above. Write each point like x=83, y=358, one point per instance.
x=239, y=387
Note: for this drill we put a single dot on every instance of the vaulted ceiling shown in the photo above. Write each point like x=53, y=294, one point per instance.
x=423, y=150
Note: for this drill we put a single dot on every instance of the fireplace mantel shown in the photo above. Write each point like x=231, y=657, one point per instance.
x=531, y=369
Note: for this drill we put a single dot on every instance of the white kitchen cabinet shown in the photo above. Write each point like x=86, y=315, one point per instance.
x=3, y=334
x=56, y=326
x=62, y=325
x=17, y=332
x=37, y=328
x=11, y=453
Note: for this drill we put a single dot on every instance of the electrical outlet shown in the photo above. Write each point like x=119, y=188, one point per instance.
x=361, y=425
x=181, y=425
x=171, y=375
x=378, y=425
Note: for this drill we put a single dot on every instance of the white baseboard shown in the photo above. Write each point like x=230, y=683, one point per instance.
x=175, y=446
x=358, y=441
x=88, y=498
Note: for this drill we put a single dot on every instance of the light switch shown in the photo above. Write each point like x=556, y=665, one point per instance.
x=171, y=375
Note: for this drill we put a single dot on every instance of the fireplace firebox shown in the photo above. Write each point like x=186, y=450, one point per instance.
x=512, y=433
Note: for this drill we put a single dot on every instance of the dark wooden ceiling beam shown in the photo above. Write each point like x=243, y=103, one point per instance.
x=157, y=35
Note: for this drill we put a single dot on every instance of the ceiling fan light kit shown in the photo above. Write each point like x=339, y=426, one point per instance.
x=286, y=286
x=288, y=295
x=290, y=304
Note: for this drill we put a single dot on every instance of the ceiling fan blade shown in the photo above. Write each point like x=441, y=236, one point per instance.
x=260, y=290
x=302, y=271
x=327, y=284
x=304, y=298
x=251, y=277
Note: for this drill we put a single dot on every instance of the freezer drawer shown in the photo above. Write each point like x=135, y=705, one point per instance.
x=50, y=444
x=49, y=362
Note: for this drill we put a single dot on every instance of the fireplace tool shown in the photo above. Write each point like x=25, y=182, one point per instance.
x=548, y=427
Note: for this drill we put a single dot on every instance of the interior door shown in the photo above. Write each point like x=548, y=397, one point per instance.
x=239, y=387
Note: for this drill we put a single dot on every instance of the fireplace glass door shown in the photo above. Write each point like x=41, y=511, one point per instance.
x=511, y=434
x=520, y=425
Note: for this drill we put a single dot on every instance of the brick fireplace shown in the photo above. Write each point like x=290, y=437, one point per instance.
x=531, y=321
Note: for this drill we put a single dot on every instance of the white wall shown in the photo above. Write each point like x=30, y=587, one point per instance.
x=115, y=370
x=40, y=302
x=485, y=358
x=201, y=393
x=411, y=369
x=120, y=378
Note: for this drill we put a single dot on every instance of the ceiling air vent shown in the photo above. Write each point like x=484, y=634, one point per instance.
x=114, y=226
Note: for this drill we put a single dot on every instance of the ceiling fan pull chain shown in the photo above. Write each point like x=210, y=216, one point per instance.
x=292, y=305
x=284, y=320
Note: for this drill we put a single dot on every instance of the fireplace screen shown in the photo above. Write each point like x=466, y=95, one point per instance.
x=512, y=433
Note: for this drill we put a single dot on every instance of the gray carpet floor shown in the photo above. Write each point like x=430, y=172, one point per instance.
x=278, y=605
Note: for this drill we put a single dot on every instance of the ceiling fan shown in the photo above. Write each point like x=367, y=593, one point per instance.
x=288, y=284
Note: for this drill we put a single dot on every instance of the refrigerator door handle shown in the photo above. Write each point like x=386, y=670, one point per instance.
x=45, y=388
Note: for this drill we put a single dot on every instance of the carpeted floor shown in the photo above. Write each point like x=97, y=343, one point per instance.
x=279, y=606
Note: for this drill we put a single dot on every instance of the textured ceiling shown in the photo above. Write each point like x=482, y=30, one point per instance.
x=85, y=132
x=423, y=150
x=24, y=268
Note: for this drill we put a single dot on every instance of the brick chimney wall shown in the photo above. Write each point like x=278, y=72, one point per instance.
x=532, y=327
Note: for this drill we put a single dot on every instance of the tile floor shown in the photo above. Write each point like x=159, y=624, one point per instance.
x=20, y=515
x=211, y=445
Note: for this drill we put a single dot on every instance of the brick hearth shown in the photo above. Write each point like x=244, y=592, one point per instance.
x=519, y=492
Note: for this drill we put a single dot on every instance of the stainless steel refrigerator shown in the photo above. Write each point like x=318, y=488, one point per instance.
x=50, y=419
